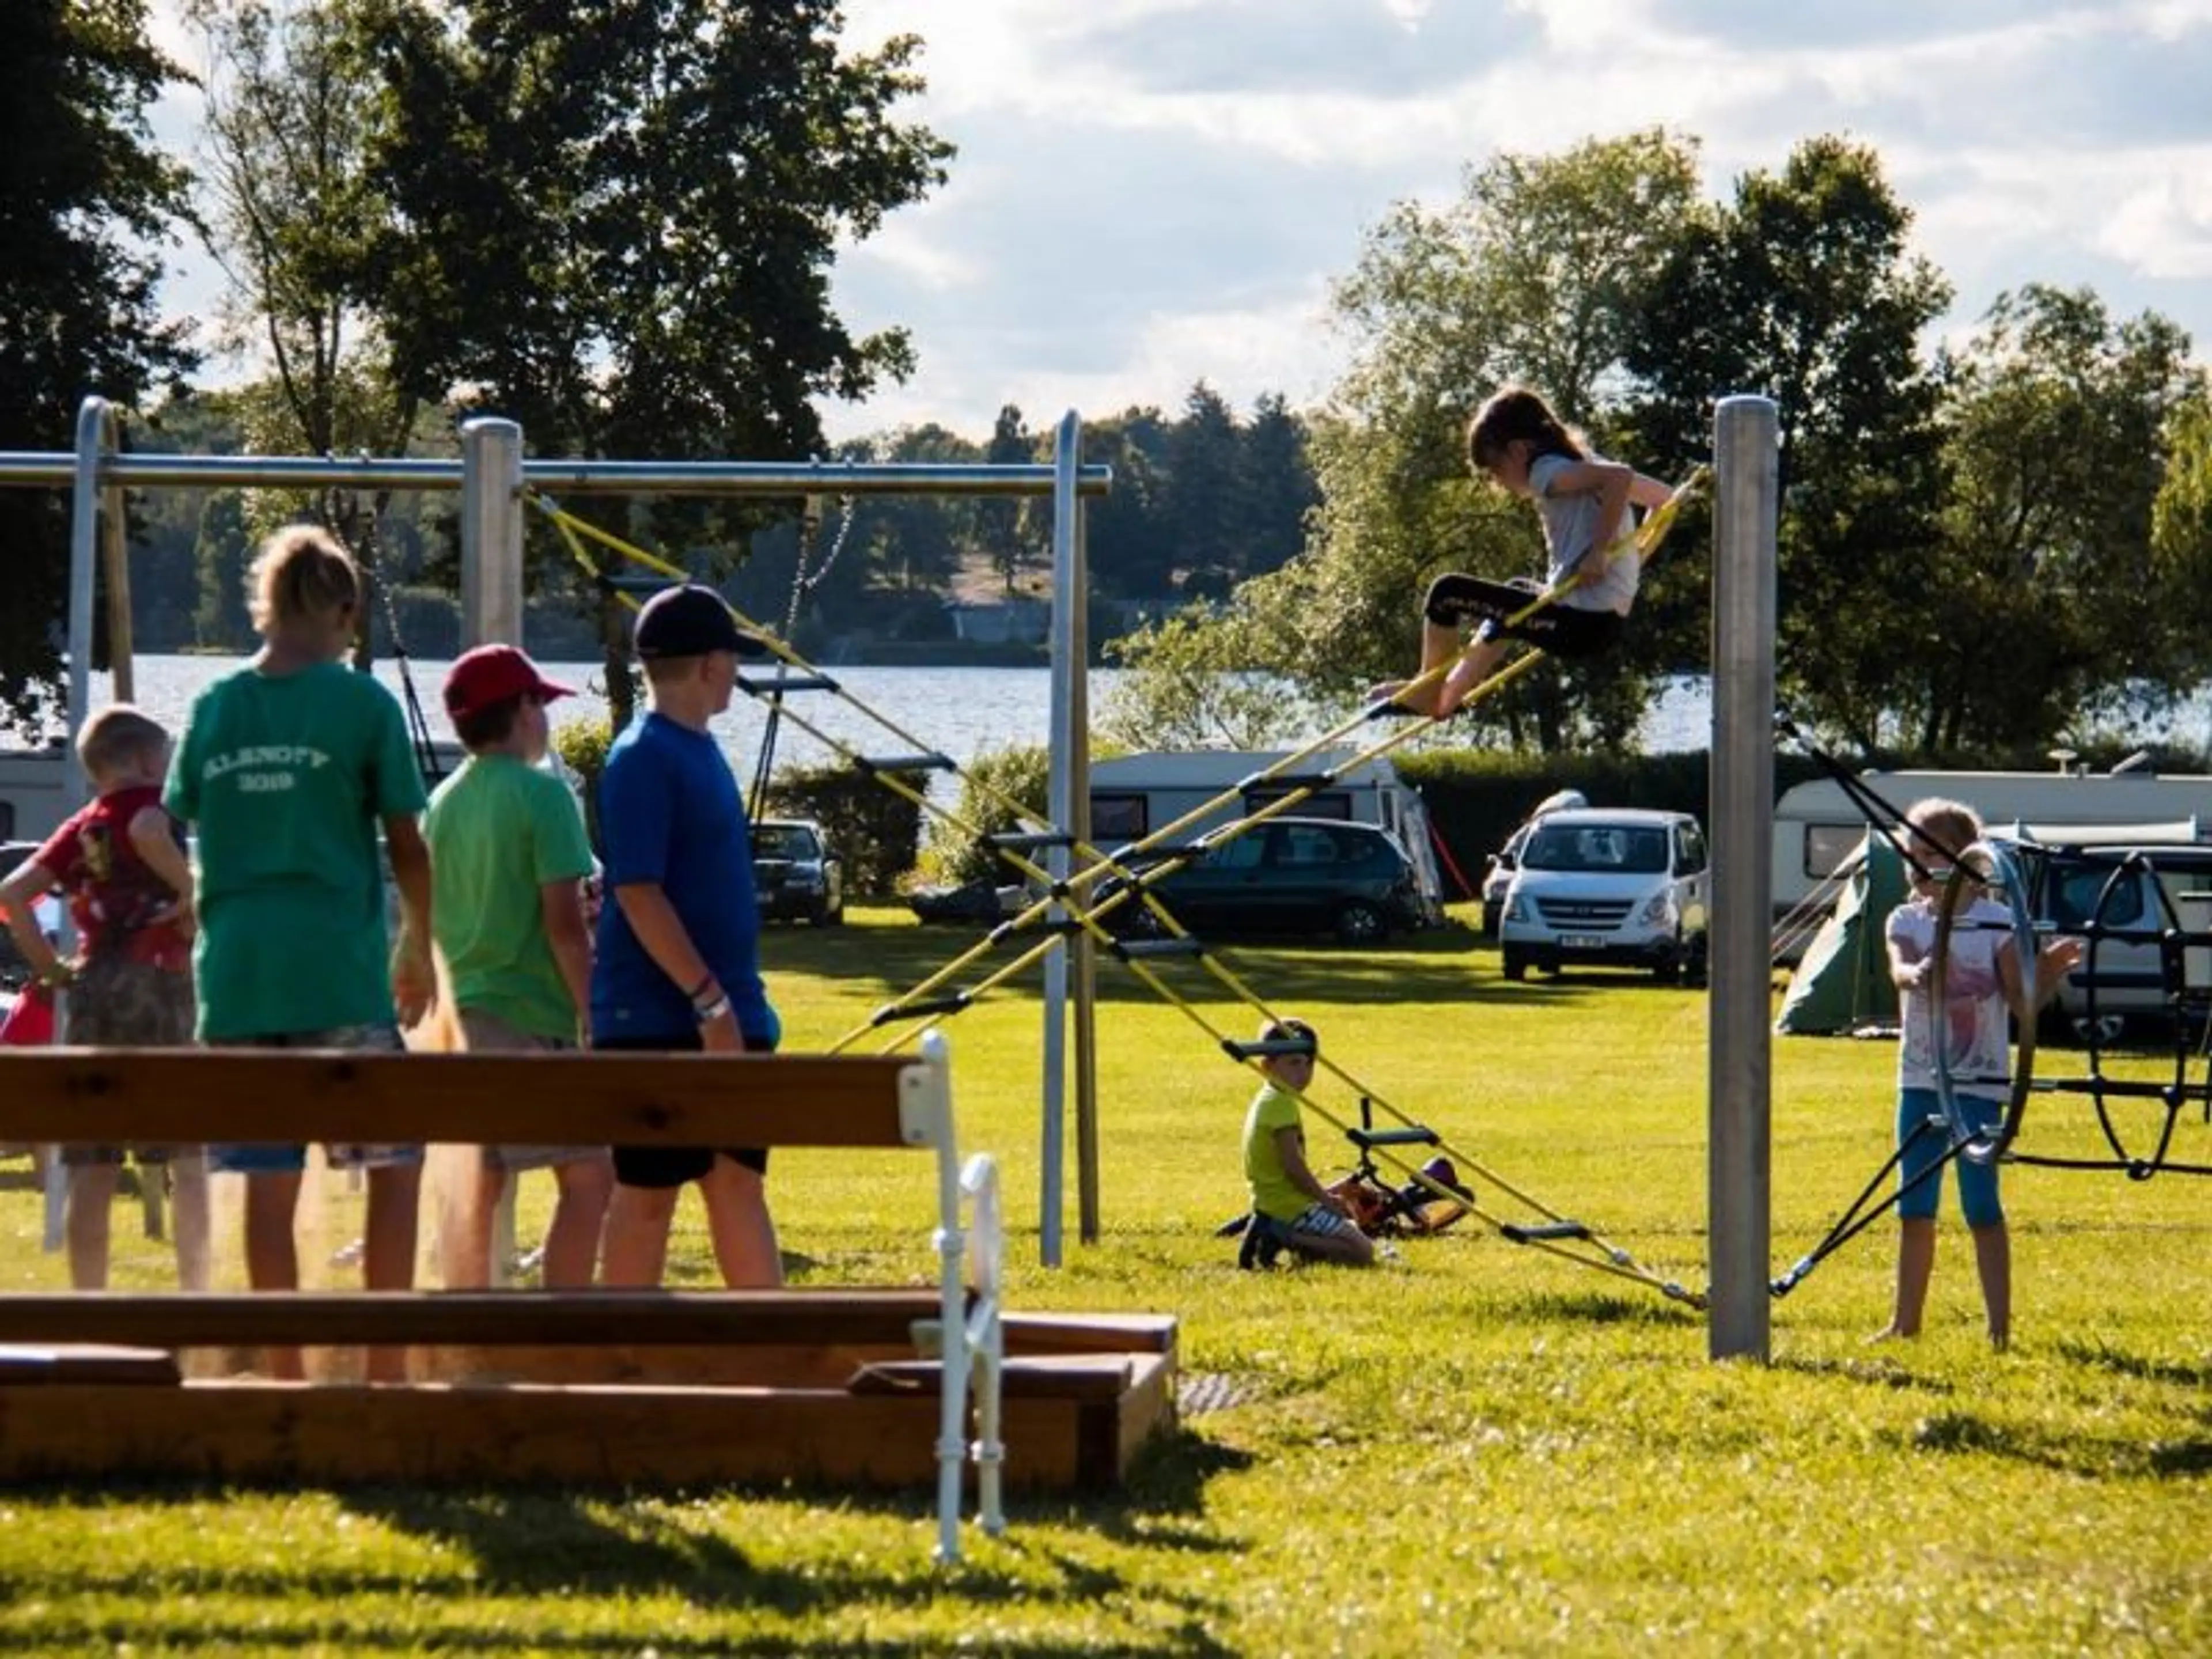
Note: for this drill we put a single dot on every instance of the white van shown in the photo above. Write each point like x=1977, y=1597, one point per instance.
x=1498, y=867
x=1618, y=888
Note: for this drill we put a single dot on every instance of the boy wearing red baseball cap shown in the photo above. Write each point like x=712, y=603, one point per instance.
x=509, y=856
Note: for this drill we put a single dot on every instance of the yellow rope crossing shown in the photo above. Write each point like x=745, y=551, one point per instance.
x=1554, y=1233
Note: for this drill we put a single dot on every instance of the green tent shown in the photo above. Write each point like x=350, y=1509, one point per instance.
x=1843, y=982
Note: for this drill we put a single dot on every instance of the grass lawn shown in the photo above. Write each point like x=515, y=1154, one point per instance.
x=1477, y=1449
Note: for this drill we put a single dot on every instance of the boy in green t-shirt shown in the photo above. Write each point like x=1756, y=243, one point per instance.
x=289, y=767
x=511, y=856
x=1289, y=1206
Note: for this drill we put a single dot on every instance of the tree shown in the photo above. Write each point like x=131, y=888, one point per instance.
x=1278, y=485
x=1803, y=288
x=290, y=113
x=614, y=221
x=1204, y=505
x=1008, y=531
x=2058, y=593
x=87, y=204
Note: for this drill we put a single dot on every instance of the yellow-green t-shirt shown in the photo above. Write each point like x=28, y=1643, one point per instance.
x=1273, y=1195
x=499, y=830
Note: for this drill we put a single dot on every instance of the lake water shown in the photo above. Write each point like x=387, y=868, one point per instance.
x=962, y=712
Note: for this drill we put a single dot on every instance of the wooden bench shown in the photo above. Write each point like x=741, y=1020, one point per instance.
x=110, y=1397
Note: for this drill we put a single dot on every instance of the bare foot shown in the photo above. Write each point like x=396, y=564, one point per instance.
x=1393, y=694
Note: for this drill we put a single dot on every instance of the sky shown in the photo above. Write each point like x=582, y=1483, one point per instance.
x=1149, y=193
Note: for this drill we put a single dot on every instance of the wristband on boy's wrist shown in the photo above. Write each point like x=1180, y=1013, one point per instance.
x=704, y=991
x=710, y=1012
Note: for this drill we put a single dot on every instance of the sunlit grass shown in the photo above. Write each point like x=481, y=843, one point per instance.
x=1478, y=1449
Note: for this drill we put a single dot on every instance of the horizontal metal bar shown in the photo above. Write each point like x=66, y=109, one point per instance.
x=36, y=468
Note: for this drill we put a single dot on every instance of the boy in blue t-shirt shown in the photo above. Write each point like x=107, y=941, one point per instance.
x=677, y=964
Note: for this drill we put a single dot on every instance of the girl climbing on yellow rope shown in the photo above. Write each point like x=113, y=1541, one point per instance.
x=1583, y=499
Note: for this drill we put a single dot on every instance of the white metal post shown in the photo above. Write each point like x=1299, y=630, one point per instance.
x=1739, y=1105
x=1069, y=781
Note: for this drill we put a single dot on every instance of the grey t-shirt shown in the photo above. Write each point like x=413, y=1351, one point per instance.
x=1570, y=526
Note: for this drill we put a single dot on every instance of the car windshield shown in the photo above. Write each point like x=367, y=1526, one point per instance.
x=1615, y=848
x=784, y=840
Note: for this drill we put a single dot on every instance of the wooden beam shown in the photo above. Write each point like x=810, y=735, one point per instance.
x=298, y=1095
x=470, y=1318
x=618, y=1437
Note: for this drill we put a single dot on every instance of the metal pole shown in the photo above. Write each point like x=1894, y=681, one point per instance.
x=95, y=435
x=1068, y=505
x=491, y=531
x=1065, y=738
x=1739, y=1105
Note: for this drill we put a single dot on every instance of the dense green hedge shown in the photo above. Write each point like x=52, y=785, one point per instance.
x=1475, y=798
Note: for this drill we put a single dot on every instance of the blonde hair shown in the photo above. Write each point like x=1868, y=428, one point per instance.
x=1950, y=825
x=300, y=574
x=115, y=736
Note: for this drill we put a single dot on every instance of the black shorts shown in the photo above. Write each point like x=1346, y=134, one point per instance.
x=1455, y=598
x=663, y=1167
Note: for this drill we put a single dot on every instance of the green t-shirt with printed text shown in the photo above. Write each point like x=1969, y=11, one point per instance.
x=499, y=830
x=1273, y=1195
x=285, y=778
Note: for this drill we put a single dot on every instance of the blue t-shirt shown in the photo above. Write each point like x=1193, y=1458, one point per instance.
x=669, y=814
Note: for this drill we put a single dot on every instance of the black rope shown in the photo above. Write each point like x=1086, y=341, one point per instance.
x=418, y=722
x=1852, y=1223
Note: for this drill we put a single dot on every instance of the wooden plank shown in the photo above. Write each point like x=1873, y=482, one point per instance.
x=1076, y=1332
x=46, y=1366
x=262, y=1096
x=1086, y=1377
x=754, y=1365
x=472, y=1318
x=301, y=1434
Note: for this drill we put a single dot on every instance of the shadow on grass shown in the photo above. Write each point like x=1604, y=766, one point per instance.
x=2104, y=1357
x=1883, y=1373
x=534, y=1544
x=2097, y=1457
x=1603, y=1308
x=1434, y=965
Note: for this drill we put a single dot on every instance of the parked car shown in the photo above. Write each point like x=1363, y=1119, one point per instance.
x=1619, y=888
x=798, y=876
x=1498, y=876
x=1294, y=875
x=2131, y=975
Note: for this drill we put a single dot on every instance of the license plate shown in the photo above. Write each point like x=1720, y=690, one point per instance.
x=1582, y=942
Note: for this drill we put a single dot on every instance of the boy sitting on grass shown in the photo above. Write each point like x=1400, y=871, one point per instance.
x=1290, y=1208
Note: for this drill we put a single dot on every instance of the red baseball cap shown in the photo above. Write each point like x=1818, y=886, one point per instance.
x=493, y=673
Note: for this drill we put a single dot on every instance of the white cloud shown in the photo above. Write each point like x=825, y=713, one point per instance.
x=1150, y=192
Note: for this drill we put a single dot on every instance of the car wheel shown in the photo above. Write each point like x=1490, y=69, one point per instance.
x=1358, y=922
x=1491, y=909
x=1515, y=964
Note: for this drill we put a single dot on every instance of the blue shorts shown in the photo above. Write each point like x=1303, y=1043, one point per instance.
x=1977, y=1182
x=278, y=1159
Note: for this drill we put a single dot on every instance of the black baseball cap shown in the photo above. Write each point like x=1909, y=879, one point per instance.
x=689, y=622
